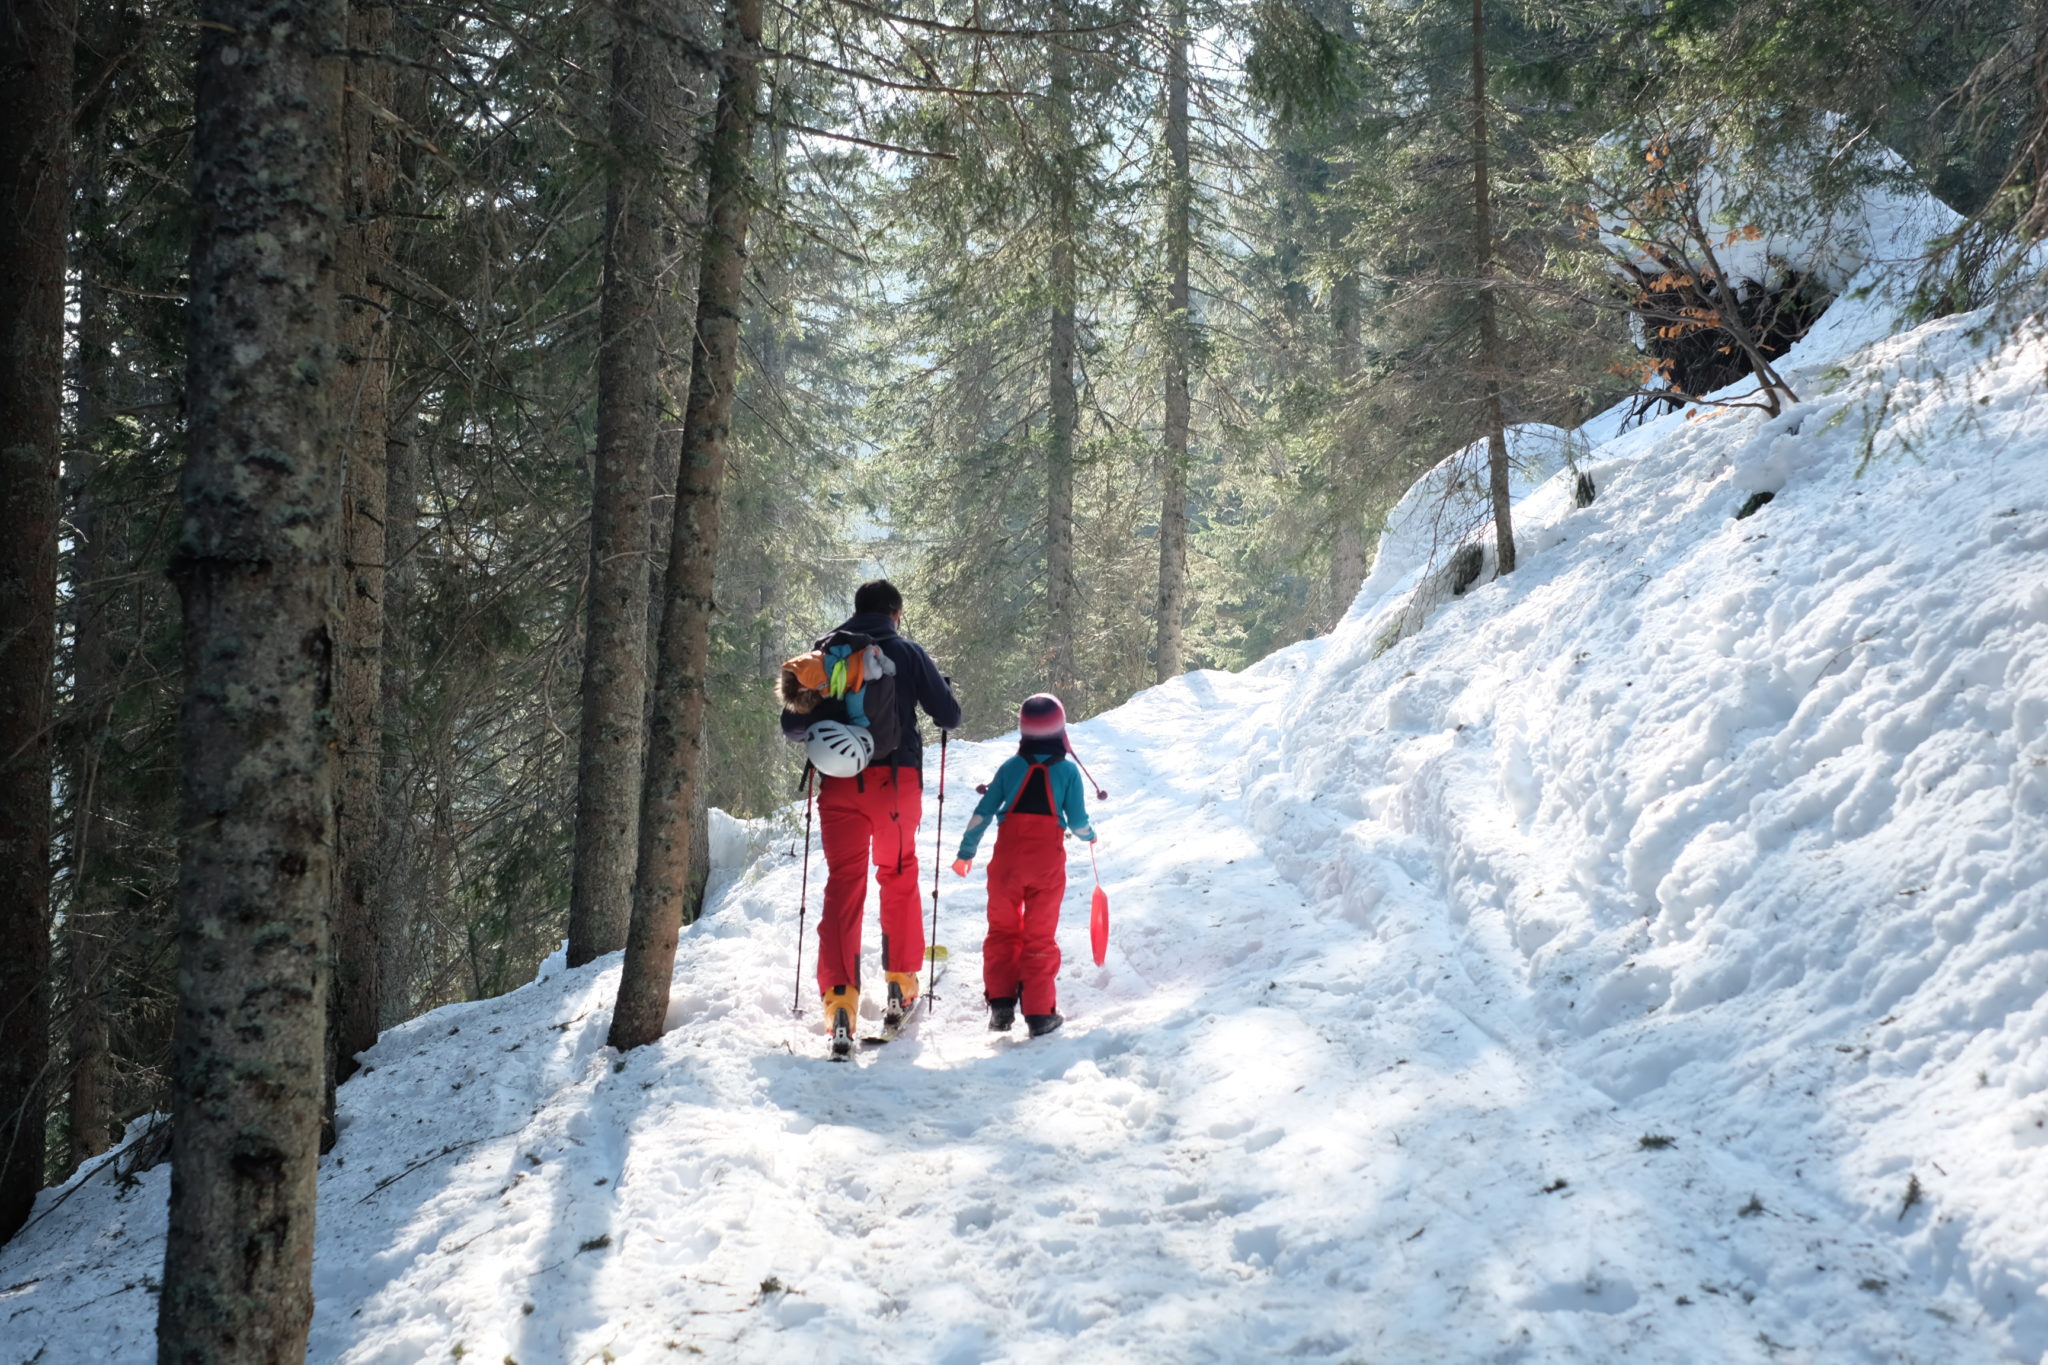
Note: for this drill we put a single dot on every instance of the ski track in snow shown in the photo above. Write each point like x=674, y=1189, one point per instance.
x=1725, y=834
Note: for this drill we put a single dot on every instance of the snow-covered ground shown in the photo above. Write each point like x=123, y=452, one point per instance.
x=1646, y=960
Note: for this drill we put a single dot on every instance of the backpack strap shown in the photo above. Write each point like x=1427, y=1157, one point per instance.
x=1041, y=770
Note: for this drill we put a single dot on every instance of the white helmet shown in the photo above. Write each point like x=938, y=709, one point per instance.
x=837, y=749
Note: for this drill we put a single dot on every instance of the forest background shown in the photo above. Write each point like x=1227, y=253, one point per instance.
x=640, y=333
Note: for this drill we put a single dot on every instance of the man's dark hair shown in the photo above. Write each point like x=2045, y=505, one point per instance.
x=880, y=595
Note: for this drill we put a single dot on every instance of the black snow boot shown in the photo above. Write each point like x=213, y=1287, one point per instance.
x=1001, y=1014
x=1042, y=1024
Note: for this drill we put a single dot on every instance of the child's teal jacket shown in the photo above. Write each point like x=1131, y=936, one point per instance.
x=1067, y=798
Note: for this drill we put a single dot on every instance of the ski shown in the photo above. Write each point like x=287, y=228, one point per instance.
x=892, y=1031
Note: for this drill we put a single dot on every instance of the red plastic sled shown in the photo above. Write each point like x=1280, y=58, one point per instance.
x=1098, y=915
x=1098, y=925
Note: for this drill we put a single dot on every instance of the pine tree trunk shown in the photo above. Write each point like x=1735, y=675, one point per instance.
x=395, y=911
x=255, y=567
x=35, y=186
x=668, y=458
x=1490, y=366
x=675, y=752
x=1063, y=674
x=363, y=258
x=397, y=882
x=1347, y=546
x=1173, y=508
x=88, y=919
x=609, y=759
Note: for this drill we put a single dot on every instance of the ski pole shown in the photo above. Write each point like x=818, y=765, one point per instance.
x=803, y=897
x=938, y=852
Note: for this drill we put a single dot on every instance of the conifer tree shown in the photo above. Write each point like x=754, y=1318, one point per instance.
x=90, y=924
x=614, y=680
x=363, y=271
x=35, y=179
x=1022, y=249
x=1492, y=361
x=1178, y=233
x=1440, y=183
x=1063, y=153
x=255, y=567
x=675, y=748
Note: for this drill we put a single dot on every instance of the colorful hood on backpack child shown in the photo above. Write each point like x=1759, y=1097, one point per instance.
x=808, y=679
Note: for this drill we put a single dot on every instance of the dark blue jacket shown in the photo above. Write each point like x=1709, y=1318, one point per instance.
x=918, y=683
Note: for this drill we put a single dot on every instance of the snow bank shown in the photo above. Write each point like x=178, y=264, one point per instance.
x=734, y=843
x=1447, y=506
x=1754, y=813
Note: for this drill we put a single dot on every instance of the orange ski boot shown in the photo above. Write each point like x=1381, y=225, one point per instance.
x=842, y=1019
x=902, y=1000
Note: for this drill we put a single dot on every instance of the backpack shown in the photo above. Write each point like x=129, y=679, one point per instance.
x=847, y=677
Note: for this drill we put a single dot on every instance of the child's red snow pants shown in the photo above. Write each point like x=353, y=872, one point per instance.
x=1027, y=877
x=874, y=814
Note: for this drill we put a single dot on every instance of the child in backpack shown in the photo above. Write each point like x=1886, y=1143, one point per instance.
x=1035, y=799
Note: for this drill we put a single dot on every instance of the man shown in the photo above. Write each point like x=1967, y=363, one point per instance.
x=874, y=815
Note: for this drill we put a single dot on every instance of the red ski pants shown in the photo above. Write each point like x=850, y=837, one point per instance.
x=1027, y=878
x=872, y=815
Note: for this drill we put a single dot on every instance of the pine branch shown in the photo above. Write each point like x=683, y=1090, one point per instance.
x=922, y=88
x=975, y=30
x=863, y=142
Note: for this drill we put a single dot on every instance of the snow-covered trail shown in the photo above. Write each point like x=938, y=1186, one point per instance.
x=1596, y=974
x=1266, y=1132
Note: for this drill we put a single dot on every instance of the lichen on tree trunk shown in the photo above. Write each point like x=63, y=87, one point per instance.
x=255, y=567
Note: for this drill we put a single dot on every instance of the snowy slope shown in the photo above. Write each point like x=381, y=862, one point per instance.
x=1752, y=815
x=1583, y=978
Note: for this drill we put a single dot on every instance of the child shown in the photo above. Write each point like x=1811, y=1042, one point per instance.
x=1035, y=794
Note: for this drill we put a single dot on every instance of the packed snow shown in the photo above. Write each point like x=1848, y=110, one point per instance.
x=1642, y=959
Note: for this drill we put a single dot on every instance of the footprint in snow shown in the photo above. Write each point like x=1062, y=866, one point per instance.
x=1590, y=1295
x=1258, y=1247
